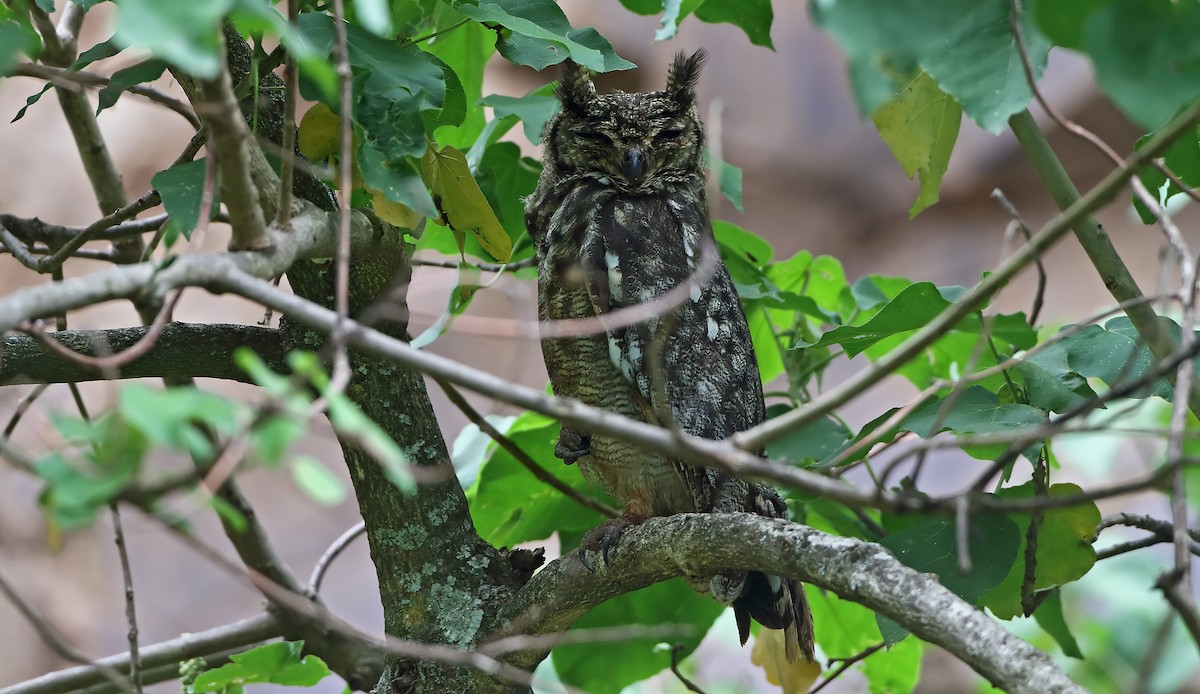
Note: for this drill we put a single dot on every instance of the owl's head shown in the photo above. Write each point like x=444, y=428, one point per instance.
x=641, y=142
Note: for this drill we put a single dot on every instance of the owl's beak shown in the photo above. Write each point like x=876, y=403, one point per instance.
x=634, y=166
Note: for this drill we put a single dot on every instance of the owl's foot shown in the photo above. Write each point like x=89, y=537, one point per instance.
x=572, y=445
x=605, y=537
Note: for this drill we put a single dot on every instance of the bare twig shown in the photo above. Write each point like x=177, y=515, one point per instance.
x=55, y=640
x=521, y=456
x=135, y=660
x=676, y=652
x=845, y=664
x=339, y=545
x=1039, y=295
x=72, y=80
x=341, y=294
x=1180, y=599
x=287, y=162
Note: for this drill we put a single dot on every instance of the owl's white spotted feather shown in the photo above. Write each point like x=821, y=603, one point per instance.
x=620, y=218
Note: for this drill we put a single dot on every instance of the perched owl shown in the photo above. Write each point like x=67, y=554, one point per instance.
x=619, y=218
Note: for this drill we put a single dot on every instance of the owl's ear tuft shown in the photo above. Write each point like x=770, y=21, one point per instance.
x=575, y=89
x=683, y=76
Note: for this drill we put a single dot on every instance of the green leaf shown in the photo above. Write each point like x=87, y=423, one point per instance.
x=1062, y=21
x=397, y=180
x=1146, y=56
x=589, y=666
x=272, y=436
x=1050, y=384
x=912, y=310
x=533, y=109
x=929, y=545
x=894, y=669
x=172, y=417
x=920, y=126
x=17, y=38
x=1116, y=355
x=974, y=410
x=1049, y=616
x=751, y=16
x=506, y=178
x=181, y=32
x=967, y=48
x=812, y=442
x=1064, y=548
x=542, y=35
x=461, y=202
x=729, y=179
x=847, y=628
x=181, y=188
x=276, y=663
x=146, y=71
x=465, y=51
x=317, y=481
x=510, y=506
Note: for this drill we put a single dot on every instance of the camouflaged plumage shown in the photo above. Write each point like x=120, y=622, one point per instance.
x=620, y=217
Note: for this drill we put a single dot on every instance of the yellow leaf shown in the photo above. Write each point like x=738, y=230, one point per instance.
x=319, y=133
x=769, y=654
x=461, y=202
x=394, y=213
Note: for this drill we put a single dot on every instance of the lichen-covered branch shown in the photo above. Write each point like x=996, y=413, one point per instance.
x=690, y=544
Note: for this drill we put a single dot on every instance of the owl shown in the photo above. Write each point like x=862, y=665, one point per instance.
x=619, y=218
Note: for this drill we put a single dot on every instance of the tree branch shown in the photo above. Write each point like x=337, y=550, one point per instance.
x=196, y=350
x=168, y=653
x=690, y=544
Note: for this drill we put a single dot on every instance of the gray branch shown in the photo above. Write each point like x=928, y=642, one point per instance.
x=184, y=350
x=162, y=656
x=690, y=544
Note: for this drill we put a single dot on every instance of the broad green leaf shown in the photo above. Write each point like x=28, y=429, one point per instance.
x=397, y=180
x=735, y=240
x=1064, y=548
x=847, y=628
x=913, y=309
x=319, y=134
x=1050, y=384
x=510, y=506
x=17, y=37
x=181, y=188
x=729, y=179
x=930, y=545
x=974, y=410
x=1146, y=56
x=920, y=126
x=1116, y=355
x=462, y=204
x=272, y=436
x=317, y=481
x=967, y=48
x=181, y=32
x=534, y=109
x=506, y=178
x=810, y=443
x=465, y=51
x=1050, y=617
x=146, y=71
x=275, y=663
x=1062, y=21
x=589, y=666
x=751, y=16
x=541, y=35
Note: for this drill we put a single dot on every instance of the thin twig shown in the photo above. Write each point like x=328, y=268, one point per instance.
x=65, y=78
x=1019, y=224
x=845, y=664
x=283, y=216
x=340, y=377
x=676, y=651
x=1181, y=601
x=339, y=545
x=521, y=456
x=55, y=640
x=135, y=660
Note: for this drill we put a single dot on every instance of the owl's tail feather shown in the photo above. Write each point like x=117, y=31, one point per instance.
x=776, y=603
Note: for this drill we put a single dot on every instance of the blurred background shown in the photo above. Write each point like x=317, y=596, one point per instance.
x=816, y=177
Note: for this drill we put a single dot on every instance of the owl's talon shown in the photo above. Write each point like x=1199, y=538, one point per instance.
x=572, y=446
x=604, y=538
